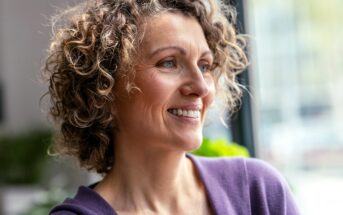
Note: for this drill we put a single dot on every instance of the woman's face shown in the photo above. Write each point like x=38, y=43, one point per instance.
x=176, y=87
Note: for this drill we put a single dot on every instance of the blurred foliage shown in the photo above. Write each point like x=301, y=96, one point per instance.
x=48, y=200
x=23, y=156
x=219, y=148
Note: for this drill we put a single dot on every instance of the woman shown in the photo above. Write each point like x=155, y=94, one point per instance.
x=130, y=84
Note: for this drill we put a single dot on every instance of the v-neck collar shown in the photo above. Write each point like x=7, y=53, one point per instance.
x=214, y=192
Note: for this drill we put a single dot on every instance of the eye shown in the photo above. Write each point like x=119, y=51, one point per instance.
x=204, y=67
x=167, y=64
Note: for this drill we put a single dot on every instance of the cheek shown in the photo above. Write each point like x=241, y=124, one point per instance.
x=156, y=89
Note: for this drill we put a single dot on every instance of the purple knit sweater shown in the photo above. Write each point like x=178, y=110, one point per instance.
x=235, y=186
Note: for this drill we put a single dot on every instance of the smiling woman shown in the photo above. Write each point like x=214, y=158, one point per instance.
x=174, y=88
x=130, y=84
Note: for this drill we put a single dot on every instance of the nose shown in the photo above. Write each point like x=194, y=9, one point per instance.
x=195, y=83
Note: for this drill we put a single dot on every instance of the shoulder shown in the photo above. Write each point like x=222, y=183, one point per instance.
x=252, y=181
x=259, y=171
x=223, y=171
x=268, y=189
x=251, y=169
x=85, y=202
x=248, y=172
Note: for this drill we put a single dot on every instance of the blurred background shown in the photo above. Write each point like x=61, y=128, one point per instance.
x=297, y=72
x=292, y=117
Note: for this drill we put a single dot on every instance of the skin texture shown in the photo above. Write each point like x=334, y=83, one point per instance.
x=151, y=174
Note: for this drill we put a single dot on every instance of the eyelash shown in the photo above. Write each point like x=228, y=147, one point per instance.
x=162, y=63
x=208, y=66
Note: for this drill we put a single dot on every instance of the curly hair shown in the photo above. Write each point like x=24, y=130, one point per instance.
x=94, y=44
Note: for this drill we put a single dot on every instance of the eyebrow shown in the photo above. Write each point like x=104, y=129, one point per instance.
x=180, y=49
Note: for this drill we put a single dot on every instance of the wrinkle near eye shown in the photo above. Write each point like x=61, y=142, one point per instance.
x=143, y=66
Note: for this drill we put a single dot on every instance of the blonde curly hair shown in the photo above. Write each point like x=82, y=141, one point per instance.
x=94, y=44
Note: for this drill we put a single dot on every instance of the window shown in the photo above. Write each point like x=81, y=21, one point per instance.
x=297, y=71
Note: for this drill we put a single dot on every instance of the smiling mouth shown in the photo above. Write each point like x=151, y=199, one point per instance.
x=185, y=113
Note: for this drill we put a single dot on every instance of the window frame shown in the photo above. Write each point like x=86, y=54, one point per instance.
x=241, y=123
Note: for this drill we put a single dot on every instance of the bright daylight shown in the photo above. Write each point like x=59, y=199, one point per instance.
x=180, y=107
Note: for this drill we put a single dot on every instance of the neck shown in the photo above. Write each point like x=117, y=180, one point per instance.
x=144, y=178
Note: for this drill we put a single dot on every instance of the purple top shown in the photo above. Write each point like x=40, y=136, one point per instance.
x=233, y=185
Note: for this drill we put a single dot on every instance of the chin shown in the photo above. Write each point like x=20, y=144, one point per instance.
x=191, y=144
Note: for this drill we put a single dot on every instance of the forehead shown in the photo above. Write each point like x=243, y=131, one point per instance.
x=173, y=29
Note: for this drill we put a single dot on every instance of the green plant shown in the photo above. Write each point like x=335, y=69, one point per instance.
x=23, y=156
x=219, y=148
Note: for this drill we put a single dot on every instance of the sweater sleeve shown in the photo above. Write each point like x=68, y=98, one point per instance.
x=269, y=192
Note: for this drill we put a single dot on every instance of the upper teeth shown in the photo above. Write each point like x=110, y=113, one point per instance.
x=188, y=113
